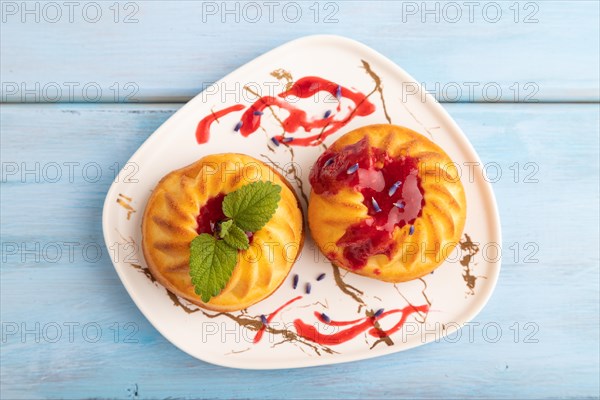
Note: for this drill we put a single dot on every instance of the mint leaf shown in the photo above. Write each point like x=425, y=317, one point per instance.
x=252, y=205
x=237, y=238
x=224, y=229
x=233, y=235
x=212, y=260
x=211, y=264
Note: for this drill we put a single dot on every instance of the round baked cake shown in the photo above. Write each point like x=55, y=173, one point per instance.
x=387, y=203
x=188, y=202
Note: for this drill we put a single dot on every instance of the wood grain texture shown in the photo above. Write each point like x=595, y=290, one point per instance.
x=544, y=49
x=558, y=294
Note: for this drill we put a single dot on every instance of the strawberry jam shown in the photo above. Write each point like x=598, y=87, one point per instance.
x=391, y=189
x=297, y=118
x=210, y=214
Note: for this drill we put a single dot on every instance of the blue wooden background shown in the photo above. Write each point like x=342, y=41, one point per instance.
x=138, y=74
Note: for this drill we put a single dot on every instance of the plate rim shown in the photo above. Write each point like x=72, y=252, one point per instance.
x=488, y=193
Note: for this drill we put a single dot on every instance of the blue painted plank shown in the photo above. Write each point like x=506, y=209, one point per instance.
x=168, y=51
x=553, y=295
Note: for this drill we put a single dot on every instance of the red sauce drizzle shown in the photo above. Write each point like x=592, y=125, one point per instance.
x=261, y=331
x=297, y=118
x=311, y=333
x=203, y=128
x=374, y=178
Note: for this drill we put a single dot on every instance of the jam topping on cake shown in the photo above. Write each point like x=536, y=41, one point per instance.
x=391, y=190
x=210, y=214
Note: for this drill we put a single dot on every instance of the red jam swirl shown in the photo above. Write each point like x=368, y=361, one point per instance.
x=270, y=317
x=203, y=128
x=296, y=118
x=391, y=189
x=366, y=324
x=310, y=85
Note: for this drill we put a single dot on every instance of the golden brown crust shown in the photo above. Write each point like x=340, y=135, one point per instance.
x=436, y=232
x=169, y=225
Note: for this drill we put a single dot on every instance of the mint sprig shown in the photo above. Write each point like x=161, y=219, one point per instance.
x=252, y=206
x=214, y=257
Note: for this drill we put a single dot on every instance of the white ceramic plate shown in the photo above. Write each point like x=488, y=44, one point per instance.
x=456, y=291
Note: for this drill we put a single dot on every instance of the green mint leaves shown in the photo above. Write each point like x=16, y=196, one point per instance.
x=214, y=257
x=252, y=206
x=237, y=238
x=225, y=228
x=211, y=263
